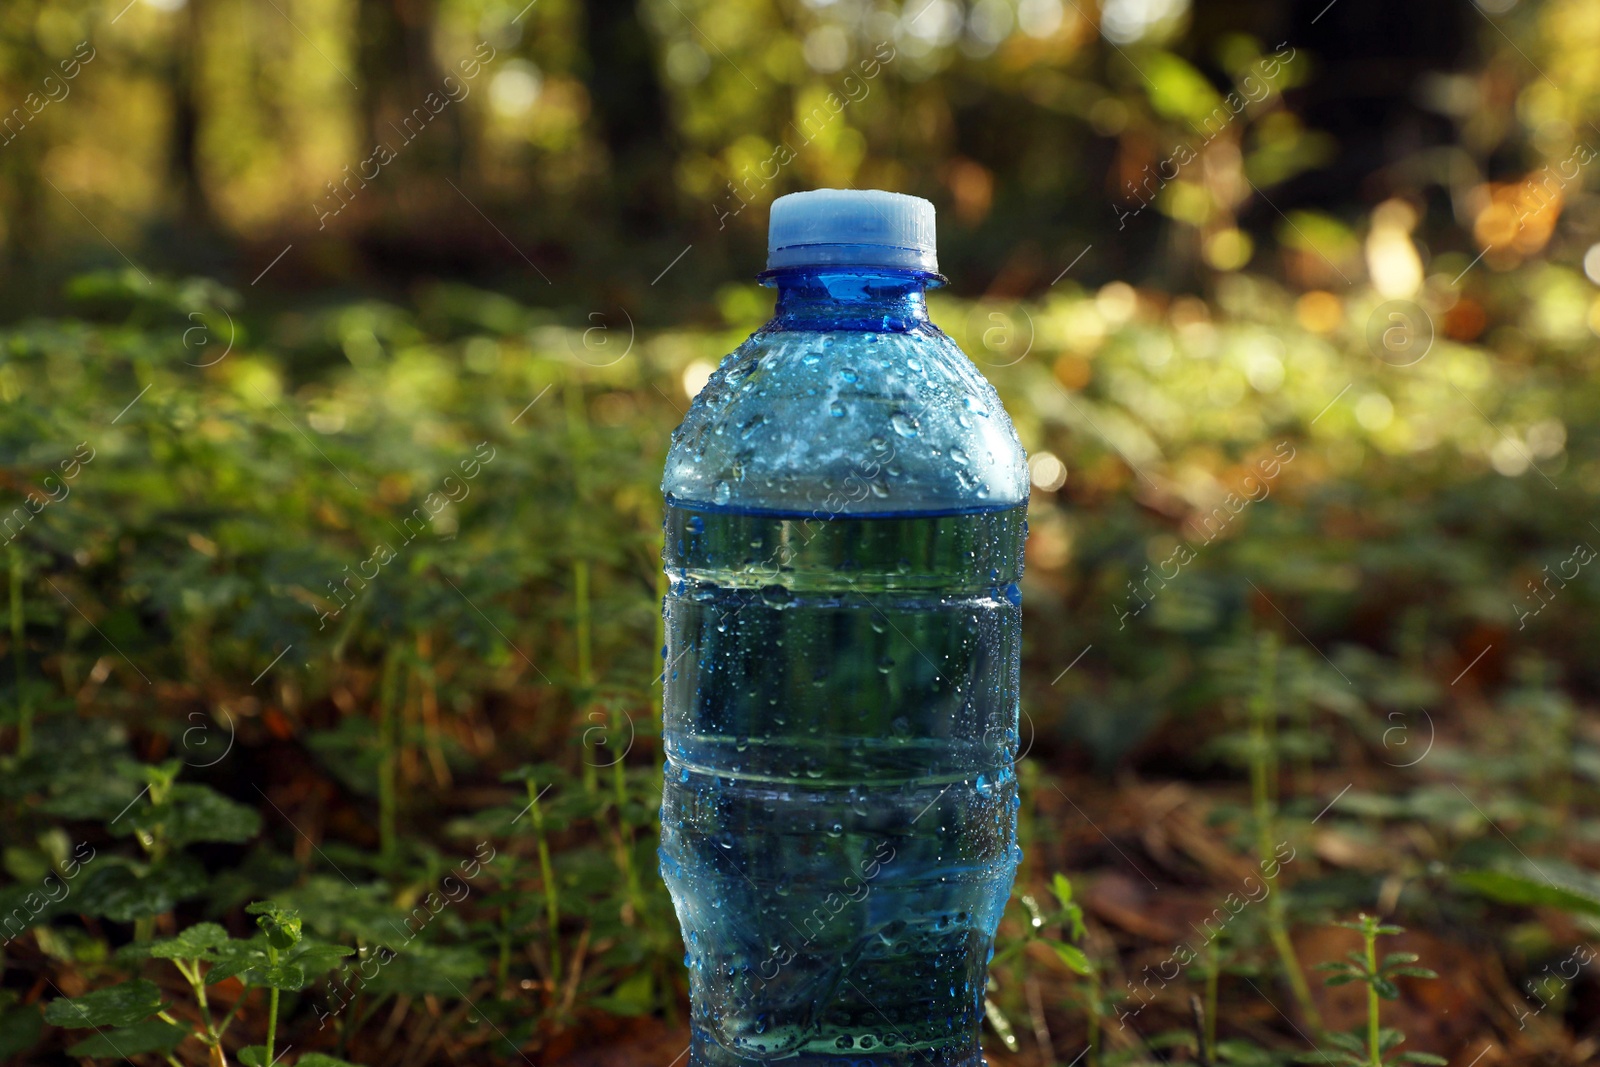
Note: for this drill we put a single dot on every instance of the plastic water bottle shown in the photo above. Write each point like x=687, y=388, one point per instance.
x=846, y=509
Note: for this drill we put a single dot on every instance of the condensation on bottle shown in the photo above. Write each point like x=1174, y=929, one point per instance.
x=845, y=514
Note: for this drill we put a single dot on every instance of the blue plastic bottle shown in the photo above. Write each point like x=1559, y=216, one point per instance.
x=846, y=509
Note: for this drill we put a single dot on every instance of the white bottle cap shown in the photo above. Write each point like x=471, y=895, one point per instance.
x=852, y=227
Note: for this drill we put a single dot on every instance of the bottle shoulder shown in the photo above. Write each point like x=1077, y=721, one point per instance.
x=849, y=422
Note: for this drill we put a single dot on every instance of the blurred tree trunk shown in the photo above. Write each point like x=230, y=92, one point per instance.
x=185, y=80
x=22, y=156
x=397, y=72
x=631, y=112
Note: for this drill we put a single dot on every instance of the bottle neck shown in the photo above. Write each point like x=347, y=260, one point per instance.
x=850, y=298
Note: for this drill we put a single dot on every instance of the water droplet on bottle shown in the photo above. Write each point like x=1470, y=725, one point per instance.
x=848, y=374
x=836, y=409
x=903, y=424
x=722, y=493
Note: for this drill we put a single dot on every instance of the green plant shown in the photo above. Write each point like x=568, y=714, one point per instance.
x=1067, y=916
x=1373, y=1047
x=131, y=1018
x=1263, y=710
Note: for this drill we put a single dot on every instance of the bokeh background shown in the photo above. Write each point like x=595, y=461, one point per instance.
x=342, y=342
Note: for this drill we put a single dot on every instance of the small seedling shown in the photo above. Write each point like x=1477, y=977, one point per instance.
x=1356, y=1049
x=131, y=1018
x=1069, y=917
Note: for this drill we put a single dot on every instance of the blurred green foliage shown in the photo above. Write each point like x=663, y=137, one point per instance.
x=333, y=578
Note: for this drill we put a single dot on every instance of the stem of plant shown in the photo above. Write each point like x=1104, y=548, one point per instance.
x=1373, y=1044
x=548, y=878
x=1094, y=1018
x=584, y=640
x=1213, y=972
x=619, y=782
x=503, y=968
x=272, y=1008
x=1197, y=1013
x=1263, y=764
x=191, y=974
x=227, y=1020
x=387, y=730
x=19, y=657
x=1561, y=771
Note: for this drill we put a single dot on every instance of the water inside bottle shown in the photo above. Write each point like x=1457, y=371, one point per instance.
x=839, y=819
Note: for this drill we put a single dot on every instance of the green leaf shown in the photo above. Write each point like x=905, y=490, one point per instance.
x=124, y=894
x=191, y=944
x=1062, y=887
x=152, y=1035
x=160, y=775
x=334, y=908
x=1413, y=972
x=1178, y=90
x=635, y=996
x=1388, y=1039
x=280, y=924
x=1341, y=979
x=1511, y=887
x=317, y=957
x=1385, y=988
x=193, y=813
x=277, y=976
x=1394, y=958
x=1074, y=958
x=235, y=958
x=91, y=792
x=1351, y=1042
x=1422, y=1057
x=419, y=969
x=118, y=1005
x=19, y=1027
x=1247, y=1054
x=253, y=1056
x=322, y=1059
x=252, y=964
